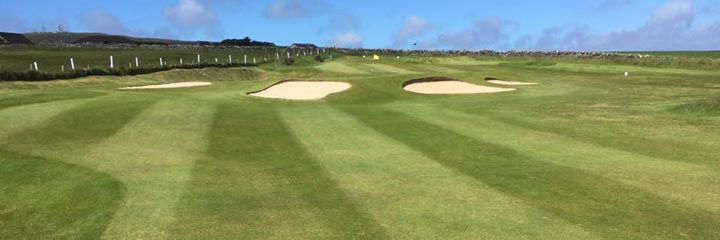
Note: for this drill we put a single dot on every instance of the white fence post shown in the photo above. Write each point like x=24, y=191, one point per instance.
x=254, y=61
x=161, y=63
x=198, y=59
x=230, y=58
x=36, y=66
x=72, y=64
x=181, y=63
x=112, y=64
x=245, y=60
x=137, y=62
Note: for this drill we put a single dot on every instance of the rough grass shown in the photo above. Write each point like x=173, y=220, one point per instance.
x=703, y=108
x=587, y=154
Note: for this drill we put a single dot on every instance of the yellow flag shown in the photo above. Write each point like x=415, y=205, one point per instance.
x=376, y=57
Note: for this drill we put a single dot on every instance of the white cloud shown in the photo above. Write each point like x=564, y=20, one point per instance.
x=340, y=23
x=347, y=40
x=413, y=27
x=485, y=33
x=289, y=9
x=104, y=22
x=190, y=13
x=286, y=9
x=713, y=8
x=675, y=13
x=610, y=5
x=669, y=27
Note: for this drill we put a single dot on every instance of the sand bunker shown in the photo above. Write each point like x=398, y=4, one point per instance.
x=301, y=90
x=511, y=83
x=170, y=85
x=438, y=85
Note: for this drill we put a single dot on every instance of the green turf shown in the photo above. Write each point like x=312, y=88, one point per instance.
x=586, y=154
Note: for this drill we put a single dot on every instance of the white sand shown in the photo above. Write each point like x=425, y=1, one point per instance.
x=452, y=87
x=302, y=90
x=170, y=85
x=501, y=82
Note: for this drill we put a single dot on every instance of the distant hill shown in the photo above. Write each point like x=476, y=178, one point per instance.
x=68, y=38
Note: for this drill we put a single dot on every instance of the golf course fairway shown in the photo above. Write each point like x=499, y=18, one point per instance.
x=586, y=153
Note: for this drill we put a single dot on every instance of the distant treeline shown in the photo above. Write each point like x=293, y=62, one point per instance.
x=245, y=42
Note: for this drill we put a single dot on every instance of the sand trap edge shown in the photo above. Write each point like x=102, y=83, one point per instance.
x=509, y=83
x=291, y=80
x=159, y=86
x=443, y=79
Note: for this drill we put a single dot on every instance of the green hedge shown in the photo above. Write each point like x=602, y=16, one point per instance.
x=46, y=76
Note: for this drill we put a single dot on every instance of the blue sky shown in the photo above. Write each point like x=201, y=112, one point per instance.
x=452, y=24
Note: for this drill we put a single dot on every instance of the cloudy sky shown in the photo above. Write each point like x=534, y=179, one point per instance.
x=451, y=24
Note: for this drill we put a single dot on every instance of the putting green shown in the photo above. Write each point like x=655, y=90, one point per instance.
x=379, y=67
x=339, y=68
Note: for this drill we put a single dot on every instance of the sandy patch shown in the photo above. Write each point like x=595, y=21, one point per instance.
x=448, y=86
x=302, y=90
x=511, y=83
x=169, y=85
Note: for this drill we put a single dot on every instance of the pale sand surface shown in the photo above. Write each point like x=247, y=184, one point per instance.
x=501, y=82
x=452, y=87
x=302, y=90
x=170, y=85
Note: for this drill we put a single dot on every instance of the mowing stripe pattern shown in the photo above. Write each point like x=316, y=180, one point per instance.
x=65, y=137
x=416, y=197
x=256, y=181
x=600, y=205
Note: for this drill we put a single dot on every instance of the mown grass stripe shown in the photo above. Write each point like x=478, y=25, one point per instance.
x=87, y=124
x=603, y=206
x=418, y=197
x=19, y=118
x=66, y=137
x=45, y=199
x=256, y=181
x=691, y=183
x=33, y=98
x=153, y=155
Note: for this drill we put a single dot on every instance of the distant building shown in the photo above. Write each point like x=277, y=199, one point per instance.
x=13, y=38
x=105, y=39
x=303, y=46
